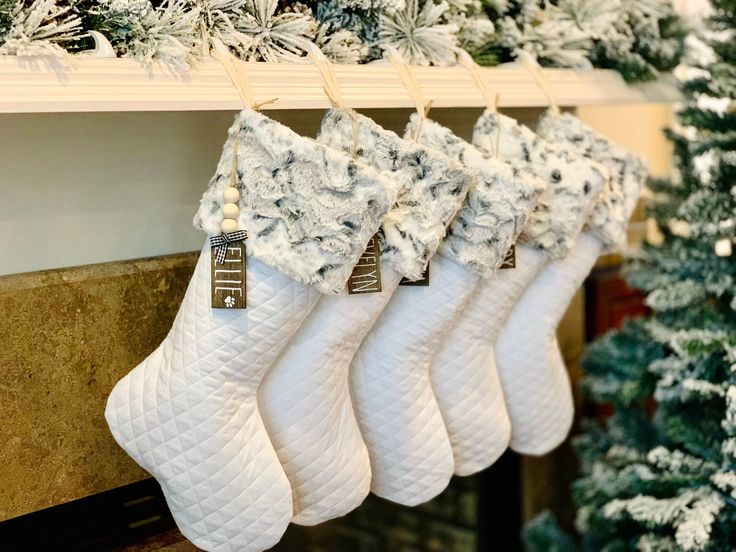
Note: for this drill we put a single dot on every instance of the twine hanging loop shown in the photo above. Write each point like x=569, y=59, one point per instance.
x=491, y=99
x=331, y=87
x=530, y=64
x=330, y=84
x=235, y=69
x=409, y=79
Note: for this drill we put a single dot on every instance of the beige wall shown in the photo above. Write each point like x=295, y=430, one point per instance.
x=97, y=187
x=638, y=127
x=93, y=187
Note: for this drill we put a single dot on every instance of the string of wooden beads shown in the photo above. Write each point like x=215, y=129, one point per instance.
x=231, y=195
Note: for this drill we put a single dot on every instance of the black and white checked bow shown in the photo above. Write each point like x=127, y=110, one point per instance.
x=220, y=243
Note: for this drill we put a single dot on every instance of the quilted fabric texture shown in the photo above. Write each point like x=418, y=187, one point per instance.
x=464, y=374
x=410, y=452
x=534, y=377
x=305, y=398
x=309, y=210
x=188, y=413
x=573, y=181
x=628, y=172
x=497, y=206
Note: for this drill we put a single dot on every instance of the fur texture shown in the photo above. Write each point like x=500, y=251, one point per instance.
x=614, y=206
x=496, y=208
x=573, y=182
x=432, y=187
x=309, y=210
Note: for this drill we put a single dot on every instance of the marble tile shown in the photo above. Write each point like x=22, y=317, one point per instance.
x=66, y=337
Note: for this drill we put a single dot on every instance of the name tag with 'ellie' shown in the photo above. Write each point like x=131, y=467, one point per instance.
x=228, y=277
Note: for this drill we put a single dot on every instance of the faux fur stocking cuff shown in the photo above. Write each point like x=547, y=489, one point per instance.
x=309, y=210
x=614, y=206
x=496, y=208
x=573, y=182
x=432, y=187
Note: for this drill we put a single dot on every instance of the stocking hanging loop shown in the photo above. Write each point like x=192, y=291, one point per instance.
x=491, y=99
x=410, y=82
x=236, y=71
x=530, y=64
x=331, y=87
x=330, y=84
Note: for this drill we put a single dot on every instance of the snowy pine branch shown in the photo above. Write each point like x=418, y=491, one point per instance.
x=629, y=35
x=42, y=28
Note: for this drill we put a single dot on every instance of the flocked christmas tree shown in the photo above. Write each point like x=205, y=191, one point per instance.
x=660, y=474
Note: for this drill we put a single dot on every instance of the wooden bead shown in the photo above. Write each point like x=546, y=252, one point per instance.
x=231, y=195
x=230, y=211
x=228, y=225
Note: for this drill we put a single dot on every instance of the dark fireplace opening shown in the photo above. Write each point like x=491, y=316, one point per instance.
x=481, y=513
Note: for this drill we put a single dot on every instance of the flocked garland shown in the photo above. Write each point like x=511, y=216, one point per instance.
x=637, y=37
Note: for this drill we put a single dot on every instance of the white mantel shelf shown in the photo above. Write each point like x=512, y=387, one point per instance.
x=89, y=85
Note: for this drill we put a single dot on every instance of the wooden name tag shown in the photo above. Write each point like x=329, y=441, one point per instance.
x=423, y=281
x=366, y=276
x=509, y=261
x=228, y=278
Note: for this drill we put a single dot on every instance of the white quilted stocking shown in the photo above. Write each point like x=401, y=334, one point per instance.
x=399, y=418
x=305, y=398
x=307, y=403
x=410, y=452
x=535, y=381
x=464, y=373
x=188, y=413
x=532, y=370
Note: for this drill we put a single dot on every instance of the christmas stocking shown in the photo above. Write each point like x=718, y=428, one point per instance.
x=399, y=418
x=464, y=374
x=305, y=398
x=611, y=214
x=533, y=374
x=188, y=413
